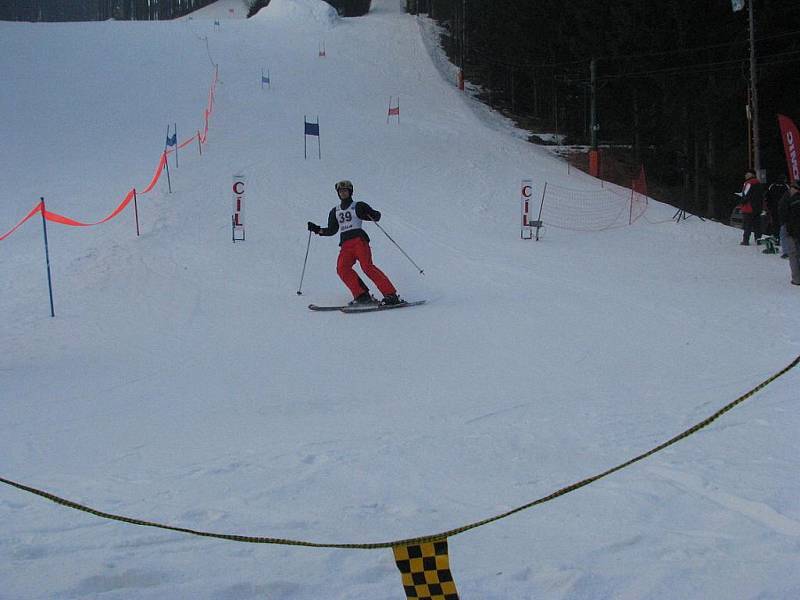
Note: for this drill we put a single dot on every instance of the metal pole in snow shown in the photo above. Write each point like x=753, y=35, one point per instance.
x=166, y=165
x=136, y=211
x=541, y=206
x=47, y=258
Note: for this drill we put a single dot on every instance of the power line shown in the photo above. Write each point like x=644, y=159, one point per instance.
x=553, y=65
x=792, y=56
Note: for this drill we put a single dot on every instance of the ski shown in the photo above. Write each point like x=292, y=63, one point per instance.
x=326, y=308
x=377, y=307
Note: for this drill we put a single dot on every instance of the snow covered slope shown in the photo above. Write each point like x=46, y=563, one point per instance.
x=184, y=381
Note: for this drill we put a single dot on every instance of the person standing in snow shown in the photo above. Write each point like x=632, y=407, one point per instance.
x=751, y=206
x=347, y=217
x=789, y=213
x=772, y=196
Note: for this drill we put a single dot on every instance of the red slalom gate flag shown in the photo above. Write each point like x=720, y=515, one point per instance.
x=791, y=145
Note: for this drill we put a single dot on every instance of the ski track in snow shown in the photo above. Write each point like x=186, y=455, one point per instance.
x=757, y=511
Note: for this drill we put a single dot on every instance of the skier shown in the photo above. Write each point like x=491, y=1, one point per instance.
x=346, y=217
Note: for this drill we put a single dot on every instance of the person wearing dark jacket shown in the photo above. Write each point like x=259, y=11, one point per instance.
x=771, y=198
x=789, y=213
x=751, y=206
x=346, y=219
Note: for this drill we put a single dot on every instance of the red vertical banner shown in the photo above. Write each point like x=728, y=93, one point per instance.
x=791, y=139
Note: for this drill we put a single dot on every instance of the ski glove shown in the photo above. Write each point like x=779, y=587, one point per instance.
x=376, y=215
x=314, y=227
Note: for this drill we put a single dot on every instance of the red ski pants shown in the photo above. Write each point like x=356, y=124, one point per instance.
x=354, y=250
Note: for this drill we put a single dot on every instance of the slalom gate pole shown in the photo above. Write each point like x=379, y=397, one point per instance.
x=399, y=248
x=630, y=211
x=541, y=207
x=166, y=166
x=199, y=143
x=136, y=211
x=47, y=258
x=305, y=260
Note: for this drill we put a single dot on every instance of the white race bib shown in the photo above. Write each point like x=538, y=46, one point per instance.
x=347, y=218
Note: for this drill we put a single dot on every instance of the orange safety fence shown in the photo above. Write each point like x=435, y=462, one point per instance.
x=61, y=219
x=187, y=142
x=56, y=218
x=206, y=114
x=34, y=210
x=157, y=175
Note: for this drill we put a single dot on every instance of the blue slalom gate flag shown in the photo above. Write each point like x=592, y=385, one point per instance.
x=172, y=140
x=311, y=129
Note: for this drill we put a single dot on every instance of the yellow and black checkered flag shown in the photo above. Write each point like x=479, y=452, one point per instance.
x=425, y=569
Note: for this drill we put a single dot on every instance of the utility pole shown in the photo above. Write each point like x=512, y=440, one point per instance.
x=754, y=95
x=463, y=43
x=594, y=154
x=463, y=32
x=593, y=102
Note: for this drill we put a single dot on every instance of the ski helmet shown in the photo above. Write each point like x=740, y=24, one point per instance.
x=344, y=184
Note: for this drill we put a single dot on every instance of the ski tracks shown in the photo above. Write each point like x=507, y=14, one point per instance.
x=759, y=512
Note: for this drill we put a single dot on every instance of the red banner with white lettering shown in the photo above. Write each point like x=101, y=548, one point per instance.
x=791, y=141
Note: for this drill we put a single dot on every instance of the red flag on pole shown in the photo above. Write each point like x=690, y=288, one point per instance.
x=791, y=141
x=394, y=111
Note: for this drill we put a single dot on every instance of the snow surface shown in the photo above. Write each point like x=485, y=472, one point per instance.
x=184, y=381
x=304, y=11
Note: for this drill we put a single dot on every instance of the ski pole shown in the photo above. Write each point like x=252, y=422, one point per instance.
x=299, y=289
x=399, y=248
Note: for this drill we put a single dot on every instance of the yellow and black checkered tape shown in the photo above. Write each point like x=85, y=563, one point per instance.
x=423, y=561
x=425, y=569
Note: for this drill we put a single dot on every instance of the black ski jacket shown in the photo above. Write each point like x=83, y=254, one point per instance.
x=364, y=212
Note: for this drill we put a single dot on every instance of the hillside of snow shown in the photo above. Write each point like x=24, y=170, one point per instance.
x=184, y=381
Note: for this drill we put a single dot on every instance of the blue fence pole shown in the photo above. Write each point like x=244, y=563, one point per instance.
x=47, y=258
